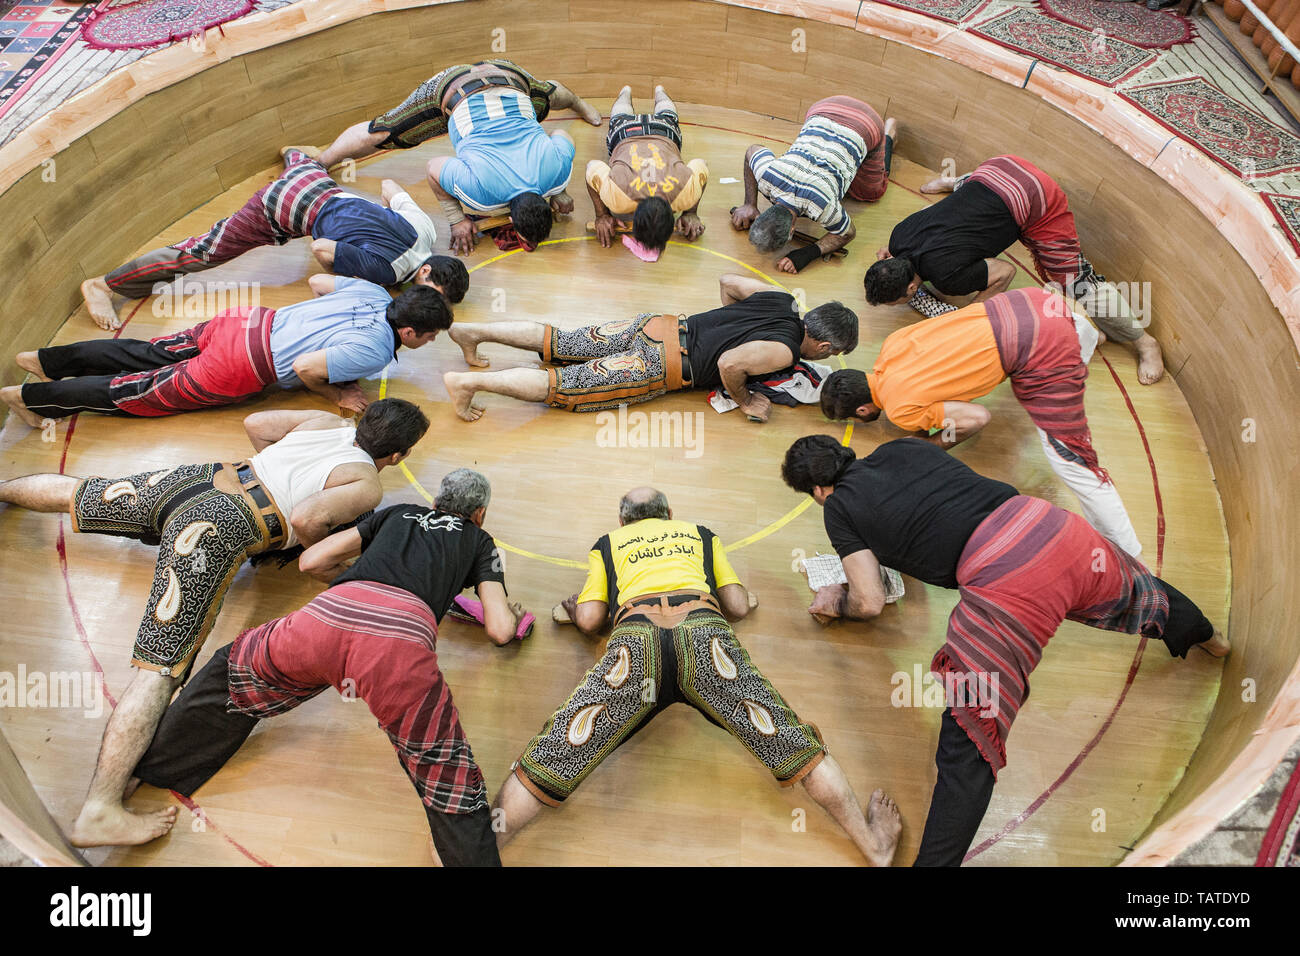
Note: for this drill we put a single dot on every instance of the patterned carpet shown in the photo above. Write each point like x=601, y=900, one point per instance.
x=1092, y=55
x=149, y=23
x=34, y=34
x=1286, y=210
x=1131, y=22
x=1225, y=130
x=952, y=11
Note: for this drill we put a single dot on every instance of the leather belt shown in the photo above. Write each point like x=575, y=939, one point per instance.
x=662, y=602
x=688, y=374
x=478, y=84
x=270, y=513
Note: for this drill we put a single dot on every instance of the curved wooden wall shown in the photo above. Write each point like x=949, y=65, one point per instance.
x=87, y=185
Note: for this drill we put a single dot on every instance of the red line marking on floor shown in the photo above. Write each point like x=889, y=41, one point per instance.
x=1014, y=823
x=61, y=547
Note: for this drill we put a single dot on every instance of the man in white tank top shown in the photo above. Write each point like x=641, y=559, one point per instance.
x=312, y=472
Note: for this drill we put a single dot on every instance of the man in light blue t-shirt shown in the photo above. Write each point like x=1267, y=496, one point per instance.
x=352, y=330
x=505, y=162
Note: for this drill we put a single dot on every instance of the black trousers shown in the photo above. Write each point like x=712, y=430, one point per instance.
x=197, y=736
x=961, y=797
x=84, y=374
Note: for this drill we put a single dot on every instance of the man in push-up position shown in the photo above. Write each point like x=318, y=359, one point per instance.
x=504, y=159
x=842, y=151
x=953, y=245
x=384, y=243
x=645, y=179
x=757, y=330
x=669, y=589
x=1022, y=566
x=371, y=635
x=311, y=472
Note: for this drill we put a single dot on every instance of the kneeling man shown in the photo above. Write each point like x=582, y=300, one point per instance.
x=757, y=331
x=667, y=585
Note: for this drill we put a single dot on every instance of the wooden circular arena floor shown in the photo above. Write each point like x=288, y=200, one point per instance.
x=1105, y=736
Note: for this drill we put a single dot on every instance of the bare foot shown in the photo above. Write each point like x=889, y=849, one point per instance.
x=940, y=184
x=132, y=786
x=118, y=826
x=891, y=128
x=467, y=338
x=462, y=396
x=31, y=362
x=586, y=111
x=99, y=303
x=1217, y=646
x=1151, y=363
x=885, y=824
x=13, y=397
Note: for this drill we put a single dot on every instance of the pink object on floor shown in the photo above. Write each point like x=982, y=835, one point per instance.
x=471, y=611
x=640, y=251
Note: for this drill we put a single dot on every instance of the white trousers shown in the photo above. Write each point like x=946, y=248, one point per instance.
x=1099, y=500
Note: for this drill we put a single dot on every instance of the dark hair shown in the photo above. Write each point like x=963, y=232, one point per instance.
x=531, y=215
x=450, y=275
x=815, y=460
x=843, y=392
x=887, y=280
x=835, y=323
x=652, y=223
x=390, y=425
x=772, y=229
x=420, y=309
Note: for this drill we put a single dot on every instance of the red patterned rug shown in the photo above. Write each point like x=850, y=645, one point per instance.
x=954, y=11
x=1281, y=843
x=1131, y=22
x=1096, y=57
x=149, y=23
x=32, y=37
x=1286, y=209
x=1227, y=131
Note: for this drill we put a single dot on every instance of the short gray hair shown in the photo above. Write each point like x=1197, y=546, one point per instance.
x=637, y=508
x=772, y=229
x=835, y=323
x=463, y=492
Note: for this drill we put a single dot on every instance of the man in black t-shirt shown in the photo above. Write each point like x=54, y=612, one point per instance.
x=1022, y=567
x=756, y=332
x=954, y=245
x=372, y=635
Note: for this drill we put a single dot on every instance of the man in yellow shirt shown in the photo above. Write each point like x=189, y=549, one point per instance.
x=667, y=585
x=645, y=178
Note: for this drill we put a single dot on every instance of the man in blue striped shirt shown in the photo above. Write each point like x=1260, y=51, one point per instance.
x=843, y=151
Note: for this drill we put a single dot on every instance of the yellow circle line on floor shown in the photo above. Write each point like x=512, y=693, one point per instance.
x=759, y=535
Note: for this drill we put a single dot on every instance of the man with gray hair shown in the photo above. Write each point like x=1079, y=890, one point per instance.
x=372, y=635
x=756, y=332
x=670, y=590
x=843, y=151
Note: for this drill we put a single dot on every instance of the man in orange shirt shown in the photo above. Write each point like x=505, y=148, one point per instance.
x=645, y=178
x=928, y=374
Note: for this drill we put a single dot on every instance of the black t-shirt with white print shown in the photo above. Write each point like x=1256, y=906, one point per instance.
x=433, y=554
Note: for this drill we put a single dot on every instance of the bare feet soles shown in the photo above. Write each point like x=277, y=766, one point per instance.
x=118, y=826
x=1217, y=646
x=891, y=128
x=13, y=397
x=1151, y=363
x=461, y=393
x=31, y=362
x=465, y=337
x=885, y=824
x=99, y=303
